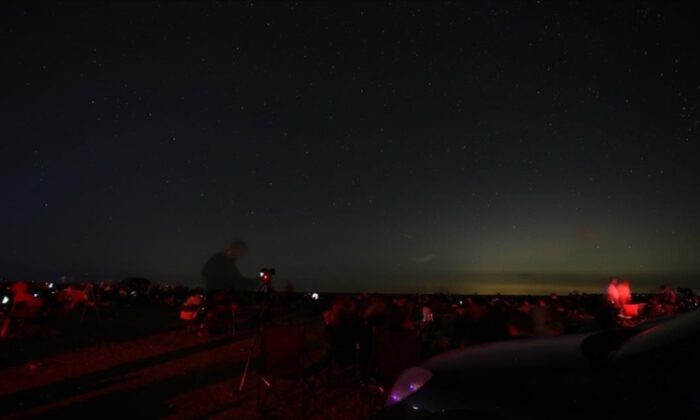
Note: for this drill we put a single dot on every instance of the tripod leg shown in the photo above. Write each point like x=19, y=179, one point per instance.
x=245, y=371
x=5, y=327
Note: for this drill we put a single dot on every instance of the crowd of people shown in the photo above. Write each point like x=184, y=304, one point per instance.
x=669, y=301
x=442, y=321
x=376, y=335
x=28, y=308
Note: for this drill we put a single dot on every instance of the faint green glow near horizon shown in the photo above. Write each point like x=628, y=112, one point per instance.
x=480, y=283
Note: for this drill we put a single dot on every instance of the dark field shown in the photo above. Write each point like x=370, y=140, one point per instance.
x=129, y=355
x=142, y=361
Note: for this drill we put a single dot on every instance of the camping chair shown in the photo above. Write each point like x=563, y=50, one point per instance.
x=283, y=357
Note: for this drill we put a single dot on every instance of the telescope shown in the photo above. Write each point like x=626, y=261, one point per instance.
x=266, y=275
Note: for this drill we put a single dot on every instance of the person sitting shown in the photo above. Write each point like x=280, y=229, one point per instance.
x=669, y=299
x=192, y=312
x=27, y=308
x=26, y=304
x=520, y=324
x=192, y=306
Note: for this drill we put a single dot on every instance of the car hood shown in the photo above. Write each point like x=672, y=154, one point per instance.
x=557, y=352
x=506, y=377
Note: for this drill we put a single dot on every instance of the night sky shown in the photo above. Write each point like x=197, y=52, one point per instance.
x=513, y=147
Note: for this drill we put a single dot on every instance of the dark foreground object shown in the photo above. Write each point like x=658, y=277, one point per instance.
x=142, y=362
x=642, y=373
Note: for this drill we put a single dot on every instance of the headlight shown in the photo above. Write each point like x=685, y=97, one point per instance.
x=410, y=381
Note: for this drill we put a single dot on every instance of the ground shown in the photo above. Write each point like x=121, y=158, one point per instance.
x=140, y=361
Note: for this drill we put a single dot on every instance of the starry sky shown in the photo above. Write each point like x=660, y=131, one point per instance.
x=460, y=146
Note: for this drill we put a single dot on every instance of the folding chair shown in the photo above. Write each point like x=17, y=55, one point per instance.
x=283, y=357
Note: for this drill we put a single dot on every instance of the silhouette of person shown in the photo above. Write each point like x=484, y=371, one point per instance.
x=612, y=294
x=624, y=292
x=221, y=271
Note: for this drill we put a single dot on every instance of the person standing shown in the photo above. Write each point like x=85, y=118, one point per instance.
x=624, y=293
x=221, y=270
x=612, y=295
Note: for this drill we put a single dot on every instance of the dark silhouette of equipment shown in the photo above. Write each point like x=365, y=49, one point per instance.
x=394, y=352
x=283, y=358
x=265, y=293
x=266, y=275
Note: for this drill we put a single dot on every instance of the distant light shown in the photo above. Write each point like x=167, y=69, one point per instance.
x=36, y=295
x=5, y=299
x=314, y=296
x=50, y=285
